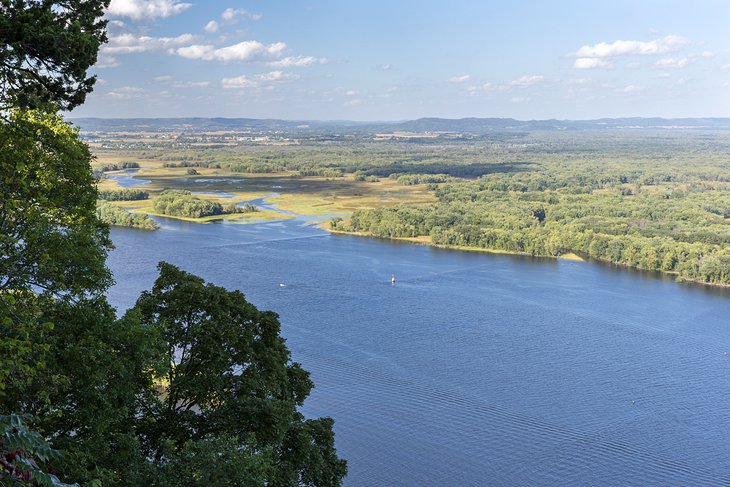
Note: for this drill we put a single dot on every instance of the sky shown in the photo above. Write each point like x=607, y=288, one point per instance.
x=403, y=59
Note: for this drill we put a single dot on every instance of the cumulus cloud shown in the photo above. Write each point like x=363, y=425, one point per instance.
x=459, y=79
x=246, y=51
x=662, y=45
x=190, y=84
x=383, y=67
x=106, y=61
x=526, y=81
x=296, y=62
x=597, y=55
x=474, y=90
x=232, y=15
x=129, y=43
x=146, y=9
x=171, y=81
x=211, y=27
x=672, y=62
x=127, y=93
x=591, y=63
x=257, y=81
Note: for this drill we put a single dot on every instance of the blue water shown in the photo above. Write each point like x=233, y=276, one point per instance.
x=476, y=369
x=126, y=179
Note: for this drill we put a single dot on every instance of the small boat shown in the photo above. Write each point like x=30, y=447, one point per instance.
x=392, y=279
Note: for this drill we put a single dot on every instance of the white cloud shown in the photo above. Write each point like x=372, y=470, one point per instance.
x=245, y=51
x=232, y=15
x=171, y=81
x=518, y=99
x=146, y=9
x=353, y=103
x=591, y=63
x=474, y=90
x=350, y=93
x=664, y=75
x=106, y=61
x=190, y=84
x=127, y=93
x=725, y=67
x=459, y=79
x=670, y=43
x=383, y=67
x=632, y=89
x=129, y=43
x=211, y=27
x=672, y=62
x=297, y=62
x=263, y=80
x=526, y=81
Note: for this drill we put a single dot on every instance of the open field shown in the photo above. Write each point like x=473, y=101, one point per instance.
x=313, y=196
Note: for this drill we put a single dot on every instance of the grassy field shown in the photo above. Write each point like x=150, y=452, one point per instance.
x=316, y=197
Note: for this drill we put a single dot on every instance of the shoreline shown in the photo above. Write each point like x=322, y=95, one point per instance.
x=570, y=256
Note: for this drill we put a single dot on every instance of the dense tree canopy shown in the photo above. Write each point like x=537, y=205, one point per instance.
x=52, y=247
x=224, y=377
x=46, y=48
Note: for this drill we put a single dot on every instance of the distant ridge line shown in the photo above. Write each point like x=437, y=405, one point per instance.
x=428, y=124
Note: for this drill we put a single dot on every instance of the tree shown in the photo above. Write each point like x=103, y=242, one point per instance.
x=52, y=246
x=46, y=48
x=224, y=377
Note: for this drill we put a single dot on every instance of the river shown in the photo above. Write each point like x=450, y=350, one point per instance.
x=476, y=369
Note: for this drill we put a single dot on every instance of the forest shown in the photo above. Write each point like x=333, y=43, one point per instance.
x=649, y=199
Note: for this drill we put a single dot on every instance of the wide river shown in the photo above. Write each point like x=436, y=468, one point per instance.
x=476, y=369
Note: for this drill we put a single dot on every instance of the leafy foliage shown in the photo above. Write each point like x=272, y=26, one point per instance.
x=126, y=194
x=225, y=377
x=182, y=203
x=52, y=247
x=23, y=453
x=116, y=216
x=46, y=48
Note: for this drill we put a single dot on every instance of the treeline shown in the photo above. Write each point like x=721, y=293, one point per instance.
x=592, y=159
x=126, y=194
x=118, y=166
x=182, y=203
x=116, y=216
x=660, y=229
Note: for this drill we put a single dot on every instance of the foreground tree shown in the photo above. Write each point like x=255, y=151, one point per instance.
x=226, y=394
x=52, y=246
x=46, y=48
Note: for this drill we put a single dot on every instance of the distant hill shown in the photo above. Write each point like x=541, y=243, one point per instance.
x=462, y=125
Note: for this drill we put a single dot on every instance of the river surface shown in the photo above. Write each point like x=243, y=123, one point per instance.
x=476, y=369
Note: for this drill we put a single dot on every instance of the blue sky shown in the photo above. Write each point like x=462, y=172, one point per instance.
x=396, y=60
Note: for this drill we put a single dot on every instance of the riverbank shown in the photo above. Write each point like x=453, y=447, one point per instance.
x=426, y=240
